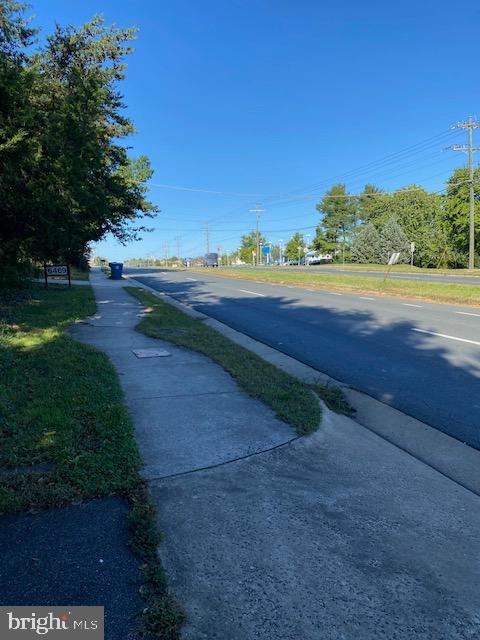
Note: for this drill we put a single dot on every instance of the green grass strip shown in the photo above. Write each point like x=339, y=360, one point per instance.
x=466, y=294
x=291, y=400
x=61, y=407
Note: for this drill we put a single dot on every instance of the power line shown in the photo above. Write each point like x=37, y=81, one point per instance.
x=400, y=160
x=383, y=161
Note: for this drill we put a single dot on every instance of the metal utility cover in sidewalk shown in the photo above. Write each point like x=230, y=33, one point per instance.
x=151, y=353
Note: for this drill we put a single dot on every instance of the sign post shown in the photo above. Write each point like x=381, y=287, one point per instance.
x=412, y=251
x=394, y=258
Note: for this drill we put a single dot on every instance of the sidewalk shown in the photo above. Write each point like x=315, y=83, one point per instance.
x=336, y=535
x=188, y=413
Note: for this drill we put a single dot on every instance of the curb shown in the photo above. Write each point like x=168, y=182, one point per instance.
x=450, y=457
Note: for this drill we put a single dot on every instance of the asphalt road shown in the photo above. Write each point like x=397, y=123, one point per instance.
x=421, y=358
x=426, y=277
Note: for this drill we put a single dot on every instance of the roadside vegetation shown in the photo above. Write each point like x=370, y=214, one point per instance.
x=290, y=399
x=62, y=132
x=65, y=433
x=397, y=268
x=334, y=398
x=464, y=294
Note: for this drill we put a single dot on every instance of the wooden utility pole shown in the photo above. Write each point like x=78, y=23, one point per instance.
x=207, y=237
x=470, y=125
x=257, y=211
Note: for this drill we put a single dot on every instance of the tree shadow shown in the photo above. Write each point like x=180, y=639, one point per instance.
x=432, y=379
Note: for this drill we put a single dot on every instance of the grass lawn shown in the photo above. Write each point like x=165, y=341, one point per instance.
x=291, y=400
x=77, y=274
x=401, y=268
x=65, y=433
x=465, y=294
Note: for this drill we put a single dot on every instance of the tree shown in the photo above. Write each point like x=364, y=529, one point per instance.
x=456, y=214
x=294, y=247
x=18, y=121
x=417, y=212
x=366, y=245
x=67, y=179
x=338, y=209
x=372, y=203
x=393, y=240
x=321, y=242
x=248, y=247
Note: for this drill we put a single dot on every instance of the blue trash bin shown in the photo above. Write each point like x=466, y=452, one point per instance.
x=116, y=269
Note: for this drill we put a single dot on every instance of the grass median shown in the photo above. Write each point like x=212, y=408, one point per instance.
x=66, y=435
x=291, y=400
x=465, y=294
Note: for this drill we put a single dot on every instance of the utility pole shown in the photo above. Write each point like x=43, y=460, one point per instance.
x=257, y=212
x=470, y=125
x=177, y=240
x=207, y=237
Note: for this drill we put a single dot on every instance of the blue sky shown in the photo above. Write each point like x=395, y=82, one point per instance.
x=262, y=97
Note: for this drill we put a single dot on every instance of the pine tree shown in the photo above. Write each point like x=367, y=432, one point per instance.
x=339, y=213
x=366, y=245
x=393, y=240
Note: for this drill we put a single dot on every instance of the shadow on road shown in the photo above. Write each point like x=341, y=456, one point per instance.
x=411, y=371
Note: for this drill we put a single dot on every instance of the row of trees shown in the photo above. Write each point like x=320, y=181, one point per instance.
x=247, y=251
x=66, y=178
x=437, y=224
x=371, y=226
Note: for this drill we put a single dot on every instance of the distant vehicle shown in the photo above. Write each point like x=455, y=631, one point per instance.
x=210, y=260
x=320, y=259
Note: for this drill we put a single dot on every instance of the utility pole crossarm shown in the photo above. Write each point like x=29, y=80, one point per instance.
x=462, y=147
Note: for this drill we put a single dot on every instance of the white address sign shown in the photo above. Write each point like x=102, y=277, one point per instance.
x=57, y=270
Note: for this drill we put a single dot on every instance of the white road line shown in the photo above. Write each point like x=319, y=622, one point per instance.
x=192, y=279
x=444, y=335
x=407, y=304
x=331, y=293
x=254, y=293
x=365, y=298
x=465, y=313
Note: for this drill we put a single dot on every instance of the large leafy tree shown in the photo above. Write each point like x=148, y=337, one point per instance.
x=456, y=214
x=248, y=247
x=418, y=213
x=70, y=179
x=18, y=122
x=372, y=203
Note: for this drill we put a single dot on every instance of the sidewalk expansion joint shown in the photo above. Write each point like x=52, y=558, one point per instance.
x=187, y=395
x=227, y=462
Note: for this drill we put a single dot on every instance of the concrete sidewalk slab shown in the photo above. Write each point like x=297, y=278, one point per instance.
x=339, y=535
x=188, y=413
x=195, y=431
x=198, y=382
